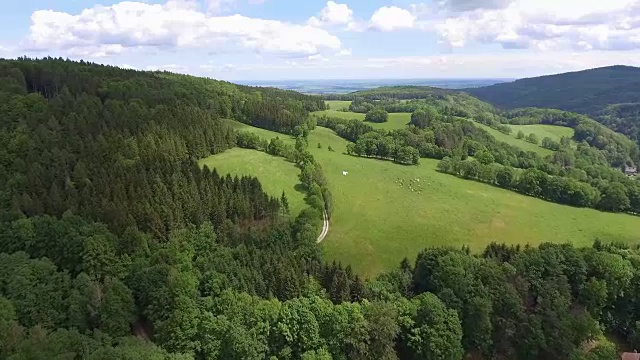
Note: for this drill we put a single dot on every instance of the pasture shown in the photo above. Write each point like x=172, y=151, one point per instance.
x=512, y=140
x=378, y=219
x=275, y=173
x=338, y=105
x=542, y=131
x=396, y=120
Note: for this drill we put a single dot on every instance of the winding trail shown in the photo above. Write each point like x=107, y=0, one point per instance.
x=325, y=227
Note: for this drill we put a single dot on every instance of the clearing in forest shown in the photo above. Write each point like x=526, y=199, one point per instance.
x=384, y=212
x=396, y=120
x=552, y=131
x=338, y=104
x=275, y=173
x=522, y=143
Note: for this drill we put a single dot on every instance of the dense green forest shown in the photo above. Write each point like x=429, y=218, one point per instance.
x=608, y=94
x=114, y=244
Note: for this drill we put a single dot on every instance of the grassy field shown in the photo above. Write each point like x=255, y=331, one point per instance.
x=275, y=173
x=265, y=134
x=378, y=220
x=512, y=140
x=542, y=131
x=396, y=120
x=338, y=105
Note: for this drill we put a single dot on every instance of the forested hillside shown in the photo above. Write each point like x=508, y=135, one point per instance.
x=115, y=244
x=609, y=94
x=584, y=91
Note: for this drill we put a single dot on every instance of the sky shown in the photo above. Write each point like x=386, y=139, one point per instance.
x=317, y=39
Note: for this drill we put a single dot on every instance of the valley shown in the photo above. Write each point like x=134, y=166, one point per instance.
x=376, y=222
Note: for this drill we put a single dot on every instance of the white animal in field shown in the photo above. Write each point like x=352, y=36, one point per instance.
x=345, y=173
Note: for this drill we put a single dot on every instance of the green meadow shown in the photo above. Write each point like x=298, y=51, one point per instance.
x=396, y=120
x=338, y=104
x=512, y=140
x=542, y=131
x=384, y=212
x=276, y=174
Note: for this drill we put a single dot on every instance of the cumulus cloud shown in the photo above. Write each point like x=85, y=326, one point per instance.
x=547, y=25
x=108, y=30
x=337, y=15
x=389, y=18
x=332, y=14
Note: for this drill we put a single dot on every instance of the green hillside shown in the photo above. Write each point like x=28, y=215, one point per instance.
x=609, y=94
x=512, y=140
x=551, y=131
x=585, y=91
x=377, y=221
x=396, y=120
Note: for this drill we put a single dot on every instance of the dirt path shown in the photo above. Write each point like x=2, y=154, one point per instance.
x=325, y=228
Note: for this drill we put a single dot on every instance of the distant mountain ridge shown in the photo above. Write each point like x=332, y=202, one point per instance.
x=344, y=86
x=586, y=91
x=610, y=94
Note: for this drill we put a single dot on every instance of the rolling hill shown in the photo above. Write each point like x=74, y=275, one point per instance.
x=378, y=219
x=584, y=92
x=609, y=95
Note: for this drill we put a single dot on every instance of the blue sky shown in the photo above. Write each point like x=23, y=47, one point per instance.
x=317, y=39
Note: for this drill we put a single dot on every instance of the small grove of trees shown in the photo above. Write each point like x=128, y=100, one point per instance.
x=493, y=121
x=422, y=118
x=377, y=116
x=384, y=146
x=533, y=138
x=346, y=129
x=551, y=144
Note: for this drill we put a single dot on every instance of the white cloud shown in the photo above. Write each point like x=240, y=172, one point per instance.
x=344, y=52
x=108, y=30
x=337, y=15
x=220, y=6
x=317, y=57
x=546, y=25
x=389, y=18
x=217, y=6
x=332, y=14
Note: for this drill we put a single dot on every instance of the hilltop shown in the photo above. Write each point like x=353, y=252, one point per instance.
x=584, y=91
